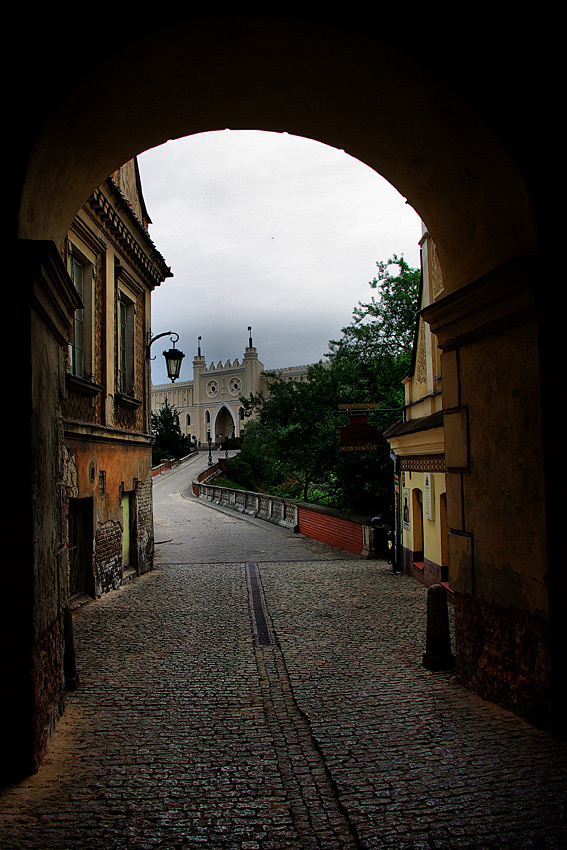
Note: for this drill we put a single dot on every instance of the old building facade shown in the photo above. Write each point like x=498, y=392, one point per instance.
x=106, y=406
x=209, y=405
x=90, y=417
x=418, y=445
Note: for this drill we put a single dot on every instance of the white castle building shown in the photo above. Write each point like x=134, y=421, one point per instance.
x=209, y=405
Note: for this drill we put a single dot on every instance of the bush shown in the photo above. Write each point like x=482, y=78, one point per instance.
x=292, y=488
x=158, y=454
x=240, y=471
x=170, y=442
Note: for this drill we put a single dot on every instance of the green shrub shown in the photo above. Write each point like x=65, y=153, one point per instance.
x=240, y=471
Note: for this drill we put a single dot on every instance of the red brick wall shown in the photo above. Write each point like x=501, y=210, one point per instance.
x=218, y=467
x=341, y=533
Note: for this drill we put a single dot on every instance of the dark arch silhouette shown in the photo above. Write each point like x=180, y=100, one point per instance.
x=225, y=421
x=297, y=76
x=441, y=113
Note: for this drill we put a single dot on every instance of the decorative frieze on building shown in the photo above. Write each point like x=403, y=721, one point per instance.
x=428, y=463
x=437, y=286
x=421, y=360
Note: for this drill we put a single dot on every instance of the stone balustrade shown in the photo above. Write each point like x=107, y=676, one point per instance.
x=274, y=509
x=163, y=467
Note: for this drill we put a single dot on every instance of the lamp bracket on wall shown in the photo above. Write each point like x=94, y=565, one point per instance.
x=152, y=339
x=173, y=356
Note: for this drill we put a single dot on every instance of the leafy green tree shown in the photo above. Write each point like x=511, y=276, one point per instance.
x=240, y=470
x=384, y=326
x=170, y=441
x=295, y=437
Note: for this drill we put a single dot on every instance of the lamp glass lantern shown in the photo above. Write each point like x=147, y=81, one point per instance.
x=173, y=358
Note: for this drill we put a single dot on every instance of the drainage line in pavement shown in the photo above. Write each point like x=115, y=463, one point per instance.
x=319, y=816
x=260, y=620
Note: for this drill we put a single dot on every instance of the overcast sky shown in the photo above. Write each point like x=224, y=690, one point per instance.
x=270, y=230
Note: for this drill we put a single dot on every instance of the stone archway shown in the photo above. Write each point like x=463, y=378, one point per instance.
x=293, y=76
x=224, y=424
x=398, y=109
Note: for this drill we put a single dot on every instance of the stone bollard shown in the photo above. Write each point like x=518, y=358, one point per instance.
x=438, y=655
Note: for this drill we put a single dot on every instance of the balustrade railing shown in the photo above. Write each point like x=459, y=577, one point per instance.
x=167, y=464
x=270, y=508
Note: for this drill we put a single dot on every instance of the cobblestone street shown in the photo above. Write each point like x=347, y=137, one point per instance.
x=274, y=698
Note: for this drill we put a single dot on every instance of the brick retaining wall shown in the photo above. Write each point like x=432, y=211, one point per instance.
x=352, y=534
x=211, y=472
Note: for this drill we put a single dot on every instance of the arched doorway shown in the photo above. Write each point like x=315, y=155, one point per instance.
x=224, y=425
x=417, y=525
x=398, y=109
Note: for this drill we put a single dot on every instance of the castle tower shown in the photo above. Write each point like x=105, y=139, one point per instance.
x=252, y=368
x=199, y=364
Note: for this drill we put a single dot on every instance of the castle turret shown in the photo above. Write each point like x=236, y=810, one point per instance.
x=252, y=368
x=198, y=365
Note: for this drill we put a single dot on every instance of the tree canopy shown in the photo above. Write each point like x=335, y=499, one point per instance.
x=170, y=442
x=292, y=444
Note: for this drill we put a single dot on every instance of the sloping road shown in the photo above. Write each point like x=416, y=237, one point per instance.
x=260, y=691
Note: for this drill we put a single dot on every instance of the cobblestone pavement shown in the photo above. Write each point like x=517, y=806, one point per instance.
x=273, y=701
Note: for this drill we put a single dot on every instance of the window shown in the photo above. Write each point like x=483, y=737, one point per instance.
x=126, y=383
x=80, y=346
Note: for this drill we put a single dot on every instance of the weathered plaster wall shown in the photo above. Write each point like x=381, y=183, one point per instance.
x=49, y=522
x=105, y=471
x=501, y=611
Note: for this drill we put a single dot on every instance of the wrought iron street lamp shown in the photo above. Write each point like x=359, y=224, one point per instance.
x=173, y=356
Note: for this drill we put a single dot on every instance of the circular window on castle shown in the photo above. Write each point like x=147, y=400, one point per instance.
x=234, y=386
x=212, y=389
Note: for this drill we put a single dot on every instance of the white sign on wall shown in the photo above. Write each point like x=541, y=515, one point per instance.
x=428, y=496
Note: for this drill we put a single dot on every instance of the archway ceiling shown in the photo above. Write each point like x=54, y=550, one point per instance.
x=299, y=77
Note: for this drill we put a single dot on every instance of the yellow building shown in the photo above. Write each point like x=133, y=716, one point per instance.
x=419, y=448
